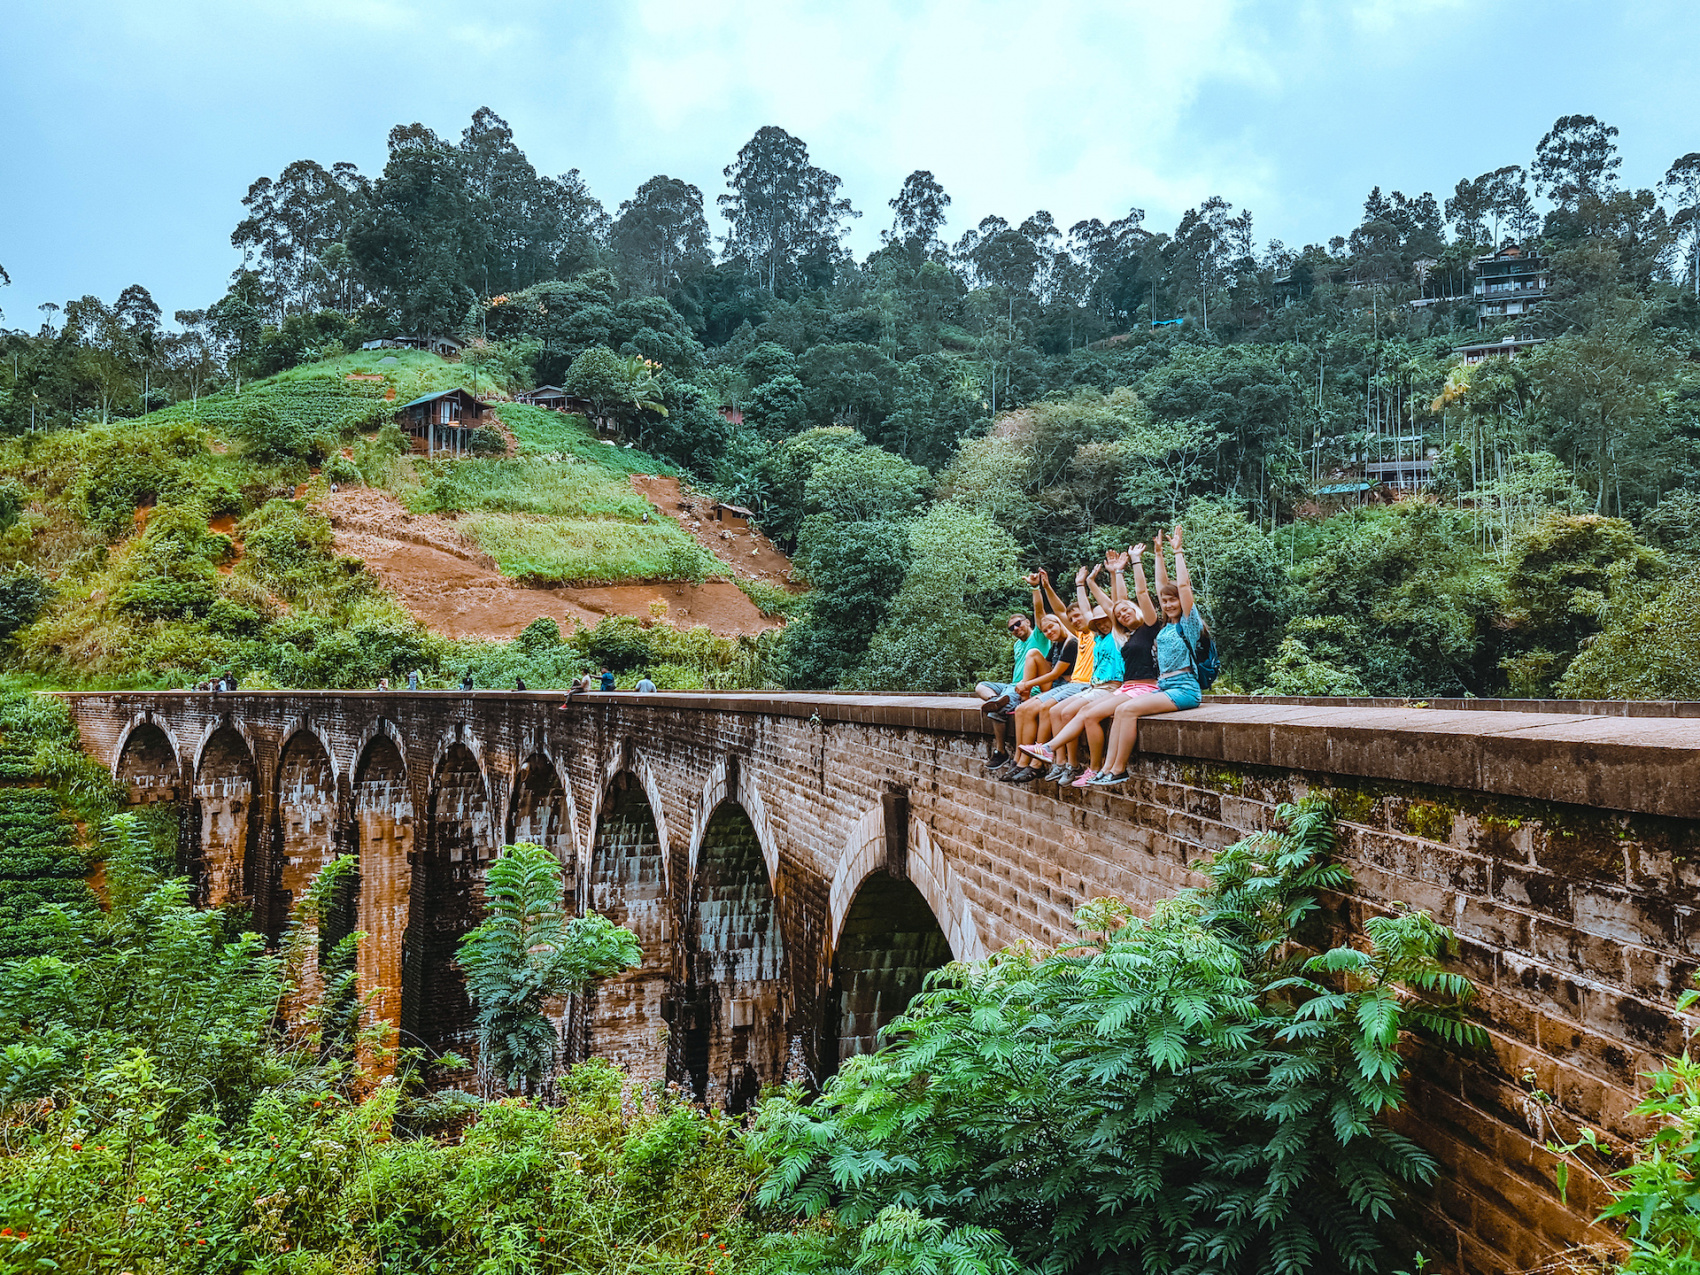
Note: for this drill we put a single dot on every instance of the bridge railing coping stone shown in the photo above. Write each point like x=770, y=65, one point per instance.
x=1633, y=762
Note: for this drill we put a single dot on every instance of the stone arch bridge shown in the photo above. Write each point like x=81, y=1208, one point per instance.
x=794, y=865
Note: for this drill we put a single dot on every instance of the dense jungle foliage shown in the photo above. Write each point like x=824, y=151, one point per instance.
x=913, y=425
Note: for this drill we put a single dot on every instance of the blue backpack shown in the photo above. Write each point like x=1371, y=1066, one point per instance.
x=1205, y=667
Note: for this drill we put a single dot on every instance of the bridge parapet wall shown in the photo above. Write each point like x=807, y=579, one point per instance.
x=1561, y=848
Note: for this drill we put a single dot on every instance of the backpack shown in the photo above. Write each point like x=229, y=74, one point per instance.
x=1207, y=666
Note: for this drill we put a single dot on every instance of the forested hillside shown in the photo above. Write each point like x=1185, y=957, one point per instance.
x=919, y=426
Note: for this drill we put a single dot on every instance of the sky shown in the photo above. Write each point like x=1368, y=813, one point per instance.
x=132, y=128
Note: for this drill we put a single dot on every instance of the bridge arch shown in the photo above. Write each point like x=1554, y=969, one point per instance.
x=626, y=880
x=735, y=962
x=888, y=934
x=540, y=810
x=304, y=827
x=223, y=861
x=381, y=799
x=148, y=761
x=636, y=763
x=447, y=896
x=730, y=781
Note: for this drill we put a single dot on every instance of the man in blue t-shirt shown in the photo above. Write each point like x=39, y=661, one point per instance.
x=607, y=680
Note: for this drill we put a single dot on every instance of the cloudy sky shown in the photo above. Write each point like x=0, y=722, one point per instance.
x=133, y=127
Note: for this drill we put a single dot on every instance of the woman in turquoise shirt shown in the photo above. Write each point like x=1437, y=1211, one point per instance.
x=1179, y=644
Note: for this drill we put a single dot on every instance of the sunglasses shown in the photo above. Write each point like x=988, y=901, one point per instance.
x=1014, y=627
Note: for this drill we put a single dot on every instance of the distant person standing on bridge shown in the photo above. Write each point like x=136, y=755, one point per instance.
x=413, y=680
x=519, y=682
x=607, y=679
x=645, y=685
x=466, y=681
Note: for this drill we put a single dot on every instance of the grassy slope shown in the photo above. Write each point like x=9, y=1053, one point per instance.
x=164, y=600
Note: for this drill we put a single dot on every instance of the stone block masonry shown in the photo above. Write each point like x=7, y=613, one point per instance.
x=794, y=864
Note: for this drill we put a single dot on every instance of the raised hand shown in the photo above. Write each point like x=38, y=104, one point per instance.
x=1033, y=578
x=1175, y=538
x=1115, y=561
x=1136, y=554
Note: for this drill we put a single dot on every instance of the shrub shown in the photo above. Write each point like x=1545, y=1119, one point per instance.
x=1189, y=1088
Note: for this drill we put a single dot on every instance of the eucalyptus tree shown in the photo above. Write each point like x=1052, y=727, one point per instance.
x=784, y=211
x=294, y=224
x=660, y=236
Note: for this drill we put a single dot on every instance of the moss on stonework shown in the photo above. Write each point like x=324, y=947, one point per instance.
x=1352, y=805
x=1429, y=820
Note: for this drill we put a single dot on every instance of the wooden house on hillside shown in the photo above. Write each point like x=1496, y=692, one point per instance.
x=445, y=346
x=550, y=396
x=443, y=421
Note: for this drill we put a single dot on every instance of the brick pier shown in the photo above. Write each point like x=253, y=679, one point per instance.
x=794, y=864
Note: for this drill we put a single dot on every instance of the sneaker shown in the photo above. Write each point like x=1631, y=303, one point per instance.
x=1085, y=777
x=997, y=717
x=1041, y=751
x=997, y=761
x=995, y=705
x=1056, y=774
x=1022, y=775
x=1110, y=781
x=1068, y=774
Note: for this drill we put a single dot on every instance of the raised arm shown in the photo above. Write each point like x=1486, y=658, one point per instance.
x=1099, y=597
x=1057, y=606
x=1117, y=563
x=1082, y=598
x=1157, y=552
x=1033, y=578
x=1183, y=578
x=1141, y=595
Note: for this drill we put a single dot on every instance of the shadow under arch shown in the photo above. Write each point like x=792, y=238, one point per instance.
x=148, y=765
x=447, y=898
x=223, y=860
x=538, y=811
x=303, y=828
x=731, y=1043
x=626, y=881
x=383, y=833
x=889, y=943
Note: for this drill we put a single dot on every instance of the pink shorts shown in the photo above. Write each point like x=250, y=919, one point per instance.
x=1137, y=688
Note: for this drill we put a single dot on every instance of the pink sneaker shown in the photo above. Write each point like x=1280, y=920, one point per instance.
x=1041, y=751
x=1085, y=778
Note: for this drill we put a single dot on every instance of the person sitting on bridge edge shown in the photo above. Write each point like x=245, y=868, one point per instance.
x=1137, y=623
x=466, y=681
x=1033, y=718
x=1182, y=644
x=519, y=683
x=646, y=686
x=607, y=679
x=997, y=698
x=1106, y=637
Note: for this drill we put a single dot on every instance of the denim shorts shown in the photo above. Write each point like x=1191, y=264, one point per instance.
x=1183, y=689
x=1004, y=688
x=1059, y=693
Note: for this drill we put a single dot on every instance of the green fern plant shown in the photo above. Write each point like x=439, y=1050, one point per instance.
x=1186, y=1093
x=527, y=951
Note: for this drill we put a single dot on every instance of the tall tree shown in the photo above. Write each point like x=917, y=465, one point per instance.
x=421, y=236
x=918, y=213
x=520, y=220
x=293, y=223
x=1681, y=186
x=661, y=235
x=1575, y=160
x=783, y=210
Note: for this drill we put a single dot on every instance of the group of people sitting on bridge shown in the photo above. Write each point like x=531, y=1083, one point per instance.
x=1105, y=658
